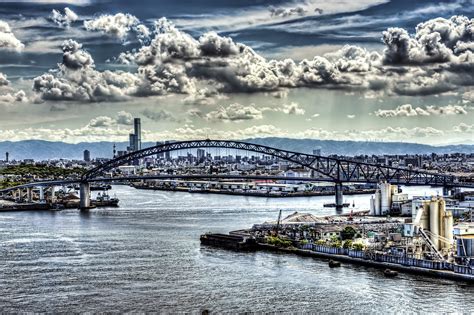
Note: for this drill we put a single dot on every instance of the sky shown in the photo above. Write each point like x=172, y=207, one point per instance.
x=369, y=70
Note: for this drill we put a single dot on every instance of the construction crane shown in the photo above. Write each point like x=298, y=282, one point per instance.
x=278, y=223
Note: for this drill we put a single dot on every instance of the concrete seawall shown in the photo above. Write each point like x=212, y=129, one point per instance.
x=446, y=274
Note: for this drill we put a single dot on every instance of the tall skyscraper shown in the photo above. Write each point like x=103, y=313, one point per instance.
x=167, y=153
x=7, y=157
x=87, y=156
x=137, y=124
x=200, y=155
x=161, y=154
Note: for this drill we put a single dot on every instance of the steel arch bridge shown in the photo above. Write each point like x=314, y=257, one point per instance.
x=325, y=168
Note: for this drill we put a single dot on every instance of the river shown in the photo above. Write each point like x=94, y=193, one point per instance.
x=146, y=256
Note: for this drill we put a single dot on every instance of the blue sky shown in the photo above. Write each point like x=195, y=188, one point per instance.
x=349, y=70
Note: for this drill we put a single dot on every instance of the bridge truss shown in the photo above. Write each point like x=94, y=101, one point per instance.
x=324, y=168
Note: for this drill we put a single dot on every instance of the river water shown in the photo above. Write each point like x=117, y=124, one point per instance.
x=146, y=256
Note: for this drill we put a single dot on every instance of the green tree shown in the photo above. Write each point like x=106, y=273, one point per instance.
x=348, y=233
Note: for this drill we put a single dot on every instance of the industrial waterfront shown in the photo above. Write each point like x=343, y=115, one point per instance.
x=145, y=256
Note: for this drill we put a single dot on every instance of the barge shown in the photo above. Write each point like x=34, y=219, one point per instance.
x=227, y=241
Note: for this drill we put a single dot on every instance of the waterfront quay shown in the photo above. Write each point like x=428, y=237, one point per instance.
x=263, y=188
x=403, y=244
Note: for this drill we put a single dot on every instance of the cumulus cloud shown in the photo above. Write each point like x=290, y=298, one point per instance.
x=407, y=110
x=437, y=40
x=3, y=80
x=158, y=115
x=463, y=128
x=118, y=25
x=438, y=58
x=292, y=109
x=287, y=12
x=76, y=79
x=16, y=97
x=235, y=112
x=122, y=118
x=103, y=130
x=64, y=19
x=467, y=97
x=8, y=41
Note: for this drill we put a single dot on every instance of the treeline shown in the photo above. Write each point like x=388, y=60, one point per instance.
x=42, y=171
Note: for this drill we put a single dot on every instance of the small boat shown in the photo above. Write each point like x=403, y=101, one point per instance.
x=390, y=273
x=334, y=263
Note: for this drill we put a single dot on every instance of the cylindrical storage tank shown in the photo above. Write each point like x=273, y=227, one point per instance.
x=465, y=247
x=377, y=202
x=448, y=226
x=385, y=197
x=434, y=222
x=372, y=206
x=425, y=217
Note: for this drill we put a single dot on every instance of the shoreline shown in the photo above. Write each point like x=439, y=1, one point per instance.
x=446, y=274
x=250, y=194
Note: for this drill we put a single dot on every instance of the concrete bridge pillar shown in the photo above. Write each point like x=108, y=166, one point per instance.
x=447, y=191
x=85, y=195
x=29, y=194
x=53, y=194
x=339, y=196
x=41, y=194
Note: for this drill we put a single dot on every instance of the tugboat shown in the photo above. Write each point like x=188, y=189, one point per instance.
x=104, y=200
x=334, y=263
x=390, y=273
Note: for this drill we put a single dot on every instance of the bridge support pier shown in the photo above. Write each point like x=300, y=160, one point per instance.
x=41, y=194
x=339, y=196
x=53, y=194
x=447, y=191
x=85, y=195
x=29, y=194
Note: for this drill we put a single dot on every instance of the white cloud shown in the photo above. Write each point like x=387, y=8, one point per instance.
x=118, y=25
x=292, y=109
x=407, y=110
x=235, y=112
x=175, y=62
x=3, y=80
x=16, y=97
x=122, y=118
x=104, y=129
x=66, y=19
x=8, y=41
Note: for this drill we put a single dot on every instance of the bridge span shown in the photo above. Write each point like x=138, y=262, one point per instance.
x=323, y=169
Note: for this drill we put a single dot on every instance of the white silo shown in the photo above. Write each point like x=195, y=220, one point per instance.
x=377, y=202
x=434, y=222
x=372, y=206
x=385, y=197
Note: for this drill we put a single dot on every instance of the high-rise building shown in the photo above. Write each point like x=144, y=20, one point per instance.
x=135, y=138
x=161, y=154
x=87, y=155
x=167, y=153
x=7, y=157
x=137, y=126
x=201, y=153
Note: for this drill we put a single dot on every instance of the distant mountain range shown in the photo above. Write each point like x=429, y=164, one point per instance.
x=44, y=150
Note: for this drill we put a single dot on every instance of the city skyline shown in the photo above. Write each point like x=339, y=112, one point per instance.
x=354, y=70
